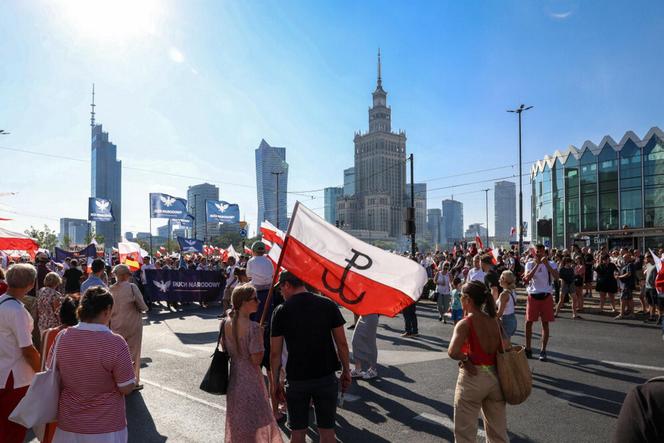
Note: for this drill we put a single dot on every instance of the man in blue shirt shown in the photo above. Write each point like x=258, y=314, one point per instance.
x=95, y=279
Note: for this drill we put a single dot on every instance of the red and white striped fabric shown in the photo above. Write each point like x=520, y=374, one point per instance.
x=659, y=279
x=273, y=238
x=358, y=276
x=478, y=242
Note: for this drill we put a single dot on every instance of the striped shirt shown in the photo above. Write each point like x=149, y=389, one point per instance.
x=93, y=362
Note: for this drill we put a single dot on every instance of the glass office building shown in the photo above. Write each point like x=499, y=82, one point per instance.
x=611, y=194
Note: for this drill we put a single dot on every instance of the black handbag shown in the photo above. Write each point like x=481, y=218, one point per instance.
x=216, y=377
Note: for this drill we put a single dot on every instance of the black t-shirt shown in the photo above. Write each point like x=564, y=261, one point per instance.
x=605, y=272
x=73, y=280
x=305, y=321
x=590, y=259
x=491, y=279
x=640, y=418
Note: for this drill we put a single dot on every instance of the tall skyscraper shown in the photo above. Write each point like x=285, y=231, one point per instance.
x=452, y=221
x=434, y=225
x=349, y=181
x=330, y=198
x=196, y=196
x=420, y=208
x=380, y=172
x=504, y=208
x=74, y=229
x=272, y=179
x=106, y=181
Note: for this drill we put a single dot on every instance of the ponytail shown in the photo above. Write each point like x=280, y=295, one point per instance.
x=481, y=297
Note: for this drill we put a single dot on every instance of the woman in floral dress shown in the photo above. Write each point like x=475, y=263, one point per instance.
x=48, y=303
x=249, y=415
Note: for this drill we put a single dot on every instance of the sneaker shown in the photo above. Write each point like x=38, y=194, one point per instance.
x=414, y=334
x=354, y=373
x=618, y=317
x=529, y=353
x=369, y=374
x=542, y=356
x=440, y=318
x=405, y=334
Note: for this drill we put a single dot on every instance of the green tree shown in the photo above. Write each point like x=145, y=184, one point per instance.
x=91, y=234
x=45, y=237
x=66, y=242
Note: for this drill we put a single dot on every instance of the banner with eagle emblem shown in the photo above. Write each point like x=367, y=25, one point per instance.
x=100, y=210
x=222, y=212
x=167, y=206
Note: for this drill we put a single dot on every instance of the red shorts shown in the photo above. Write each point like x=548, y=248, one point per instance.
x=539, y=308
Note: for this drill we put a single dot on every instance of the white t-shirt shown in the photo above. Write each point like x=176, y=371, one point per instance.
x=231, y=279
x=15, y=333
x=442, y=283
x=475, y=274
x=260, y=270
x=143, y=269
x=540, y=282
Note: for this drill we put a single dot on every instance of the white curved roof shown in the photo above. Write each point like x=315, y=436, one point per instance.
x=595, y=149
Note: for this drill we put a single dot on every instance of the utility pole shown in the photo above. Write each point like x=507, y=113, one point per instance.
x=519, y=111
x=277, y=174
x=486, y=213
x=412, y=206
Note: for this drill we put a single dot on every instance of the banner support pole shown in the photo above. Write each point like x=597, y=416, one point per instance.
x=277, y=269
x=150, y=214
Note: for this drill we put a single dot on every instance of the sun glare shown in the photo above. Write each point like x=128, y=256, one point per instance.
x=113, y=21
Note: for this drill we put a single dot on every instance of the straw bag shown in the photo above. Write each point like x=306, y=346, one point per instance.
x=40, y=404
x=516, y=380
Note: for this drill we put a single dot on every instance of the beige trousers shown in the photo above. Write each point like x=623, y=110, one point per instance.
x=474, y=393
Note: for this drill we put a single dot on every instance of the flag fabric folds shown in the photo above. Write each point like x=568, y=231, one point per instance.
x=273, y=238
x=478, y=241
x=100, y=210
x=222, y=212
x=358, y=276
x=190, y=244
x=130, y=253
x=167, y=206
x=659, y=279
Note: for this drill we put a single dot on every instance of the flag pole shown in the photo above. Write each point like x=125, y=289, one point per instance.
x=150, y=211
x=277, y=269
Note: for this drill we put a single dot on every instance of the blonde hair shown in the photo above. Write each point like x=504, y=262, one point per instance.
x=21, y=275
x=52, y=279
x=240, y=295
x=510, y=279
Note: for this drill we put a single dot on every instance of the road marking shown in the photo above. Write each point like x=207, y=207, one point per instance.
x=445, y=422
x=632, y=365
x=208, y=349
x=351, y=397
x=184, y=394
x=175, y=353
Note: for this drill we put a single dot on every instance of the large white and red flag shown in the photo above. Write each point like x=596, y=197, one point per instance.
x=478, y=241
x=273, y=238
x=659, y=280
x=361, y=277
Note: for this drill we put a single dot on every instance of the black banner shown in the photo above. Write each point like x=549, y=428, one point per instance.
x=184, y=286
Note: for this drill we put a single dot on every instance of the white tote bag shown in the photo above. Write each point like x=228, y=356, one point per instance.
x=40, y=404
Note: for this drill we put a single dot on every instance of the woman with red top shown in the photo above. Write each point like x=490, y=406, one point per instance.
x=96, y=373
x=475, y=342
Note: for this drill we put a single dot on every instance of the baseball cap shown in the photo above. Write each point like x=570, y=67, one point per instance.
x=258, y=246
x=287, y=276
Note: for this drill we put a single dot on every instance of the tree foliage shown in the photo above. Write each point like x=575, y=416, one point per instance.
x=45, y=237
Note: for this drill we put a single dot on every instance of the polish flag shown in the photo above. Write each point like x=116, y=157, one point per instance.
x=478, y=242
x=224, y=256
x=358, y=276
x=494, y=254
x=272, y=234
x=659, y=279
x=247, y=250
x=233, y=253
x=129, y=253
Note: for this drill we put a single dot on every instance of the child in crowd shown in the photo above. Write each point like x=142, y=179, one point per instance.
x=457, y=310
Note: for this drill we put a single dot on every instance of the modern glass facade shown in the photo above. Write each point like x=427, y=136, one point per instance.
x=106, y=182
x=272, y=179
x=330, y=196
x=611, y=194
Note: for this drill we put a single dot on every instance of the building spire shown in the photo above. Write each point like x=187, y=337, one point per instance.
x=379, y=83
x=92, y=107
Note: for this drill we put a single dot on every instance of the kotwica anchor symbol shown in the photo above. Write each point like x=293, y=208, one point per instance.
x=352, y=263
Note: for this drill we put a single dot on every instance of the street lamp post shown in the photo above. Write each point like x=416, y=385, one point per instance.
x=486, y=213
x=519, y=111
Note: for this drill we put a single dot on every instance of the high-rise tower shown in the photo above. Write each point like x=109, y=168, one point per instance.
x=106, y=179
x=380, y=169
x=272, y=185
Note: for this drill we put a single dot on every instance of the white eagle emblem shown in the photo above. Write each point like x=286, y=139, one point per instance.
x=163, y=286
x=222, y=206
x=167, y=201
x=102, y=205
x=190, y=242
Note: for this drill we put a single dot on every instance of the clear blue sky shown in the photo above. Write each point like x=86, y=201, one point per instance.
x=191, y=88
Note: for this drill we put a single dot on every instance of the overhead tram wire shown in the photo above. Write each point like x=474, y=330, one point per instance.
x=306, y=193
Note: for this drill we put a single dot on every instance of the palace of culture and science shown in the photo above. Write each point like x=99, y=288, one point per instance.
x=376, y=209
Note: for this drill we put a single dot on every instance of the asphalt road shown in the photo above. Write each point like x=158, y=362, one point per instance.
x=576, y=396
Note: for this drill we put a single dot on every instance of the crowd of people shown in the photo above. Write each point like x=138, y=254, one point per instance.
x=87, y=320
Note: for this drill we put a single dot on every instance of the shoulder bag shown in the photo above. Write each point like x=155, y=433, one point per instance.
x=516, y=380
x=216, y=377
x=40, y=404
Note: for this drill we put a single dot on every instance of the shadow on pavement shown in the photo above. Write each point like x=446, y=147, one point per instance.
x=140, y=424
x=584, y=365
x=197, y=338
